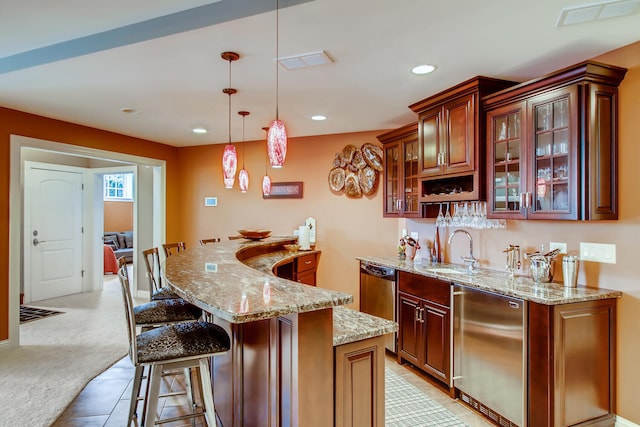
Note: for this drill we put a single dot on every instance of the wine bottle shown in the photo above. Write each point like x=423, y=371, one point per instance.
x=436, y=247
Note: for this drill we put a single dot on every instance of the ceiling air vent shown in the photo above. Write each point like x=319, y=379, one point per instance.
x=305, y=60
x=597, y=11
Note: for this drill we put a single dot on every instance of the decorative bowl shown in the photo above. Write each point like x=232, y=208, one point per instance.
x=255, y=234
x=293, y=247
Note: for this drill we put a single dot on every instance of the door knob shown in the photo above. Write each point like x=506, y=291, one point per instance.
x=36, y=242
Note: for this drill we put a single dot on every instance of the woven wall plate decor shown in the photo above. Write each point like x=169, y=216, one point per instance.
x=355, y=171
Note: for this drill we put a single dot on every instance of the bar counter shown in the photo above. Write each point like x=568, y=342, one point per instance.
x=296, y=353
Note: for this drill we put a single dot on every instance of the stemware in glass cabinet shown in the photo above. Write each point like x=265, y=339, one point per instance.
x=506, y=163
x=552, y=156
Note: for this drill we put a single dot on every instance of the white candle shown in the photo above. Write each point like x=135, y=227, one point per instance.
x=303, y=237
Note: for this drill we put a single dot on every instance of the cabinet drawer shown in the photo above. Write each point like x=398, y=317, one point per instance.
x=434, y=290
x=307, y=262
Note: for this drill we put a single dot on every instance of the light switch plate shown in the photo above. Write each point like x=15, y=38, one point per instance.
x=414, y=235
x=598, y=252
x=558, y=245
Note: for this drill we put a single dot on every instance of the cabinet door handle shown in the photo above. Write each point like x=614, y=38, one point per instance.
x=307, y=262
x=417, y=314
x=422, y=315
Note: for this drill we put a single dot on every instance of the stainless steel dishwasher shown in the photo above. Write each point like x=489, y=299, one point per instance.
x=490, y=351
x=378, y=296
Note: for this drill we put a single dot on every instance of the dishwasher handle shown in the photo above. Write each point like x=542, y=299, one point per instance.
x=378, y=271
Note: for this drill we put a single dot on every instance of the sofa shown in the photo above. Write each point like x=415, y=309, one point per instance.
x=121, y=242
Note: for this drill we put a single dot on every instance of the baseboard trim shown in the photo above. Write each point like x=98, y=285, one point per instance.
x=621, y=422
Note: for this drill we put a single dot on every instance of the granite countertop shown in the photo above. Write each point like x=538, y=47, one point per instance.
x=266, y=262
x=212, y=278
x=499, y=282
x=351, y=325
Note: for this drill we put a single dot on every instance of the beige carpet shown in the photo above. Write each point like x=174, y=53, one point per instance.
x=59, y=355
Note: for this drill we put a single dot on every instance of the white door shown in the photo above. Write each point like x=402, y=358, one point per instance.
x=53, y=232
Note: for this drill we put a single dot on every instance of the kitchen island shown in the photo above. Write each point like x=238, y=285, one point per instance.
x=287, y=339
x=521, y=353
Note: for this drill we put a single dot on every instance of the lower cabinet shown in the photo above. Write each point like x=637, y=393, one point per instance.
x=359, y=383
x=572, y=355
x=424, y=317
x=301, y=269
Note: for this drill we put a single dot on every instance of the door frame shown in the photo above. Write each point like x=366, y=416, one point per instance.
x=155, y=216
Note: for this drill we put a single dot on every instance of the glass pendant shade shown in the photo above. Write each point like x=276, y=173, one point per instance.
x=277, y=143
x=229, y=165
x=243, y=180
x=266, y=185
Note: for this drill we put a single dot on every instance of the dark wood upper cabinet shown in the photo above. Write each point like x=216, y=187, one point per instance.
x=451, y=141
x=400, y=178
x=552, y=146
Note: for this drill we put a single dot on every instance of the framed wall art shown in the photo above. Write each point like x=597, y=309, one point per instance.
x=285, y=190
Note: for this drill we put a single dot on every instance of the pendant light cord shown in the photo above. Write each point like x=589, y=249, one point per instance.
x=277, y=53
x=229, y=93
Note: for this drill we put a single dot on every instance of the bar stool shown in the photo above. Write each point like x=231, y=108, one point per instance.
x=170, y=248
x=154, y=274
x=206, y=241
x=159, y=313
x=176, y=346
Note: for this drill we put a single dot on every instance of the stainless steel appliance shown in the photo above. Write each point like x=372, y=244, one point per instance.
x=378, y=296
x=490, y=350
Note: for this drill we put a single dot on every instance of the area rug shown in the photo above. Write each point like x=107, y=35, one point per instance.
x=59, y=355
x=407, y=406
x=29, y=314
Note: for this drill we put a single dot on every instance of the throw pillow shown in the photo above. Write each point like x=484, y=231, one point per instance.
x=128, y=240
x=111, y=243
x=121, y=241
x=111, y=240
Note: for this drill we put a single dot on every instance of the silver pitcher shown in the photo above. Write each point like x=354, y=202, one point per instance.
x=541, y=266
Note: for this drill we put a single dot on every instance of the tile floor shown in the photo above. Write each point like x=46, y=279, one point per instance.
x=105, y=400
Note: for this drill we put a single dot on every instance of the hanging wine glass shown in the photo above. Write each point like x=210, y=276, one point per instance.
x=440, y=218
x=447, y=217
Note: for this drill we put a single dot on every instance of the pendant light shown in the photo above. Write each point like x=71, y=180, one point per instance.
x=229, y=155
x=266, y=181
x=277, y=137
x=243, y=176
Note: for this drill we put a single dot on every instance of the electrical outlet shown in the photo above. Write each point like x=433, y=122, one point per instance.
x=414, y=235
x=598, y=252
x=557, y=245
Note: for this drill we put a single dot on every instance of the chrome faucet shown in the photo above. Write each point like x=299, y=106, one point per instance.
x=471, y=260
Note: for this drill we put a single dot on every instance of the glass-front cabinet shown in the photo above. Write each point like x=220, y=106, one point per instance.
x=400, y=176
x=506, y=151
x=534, y=167
x=551, y=147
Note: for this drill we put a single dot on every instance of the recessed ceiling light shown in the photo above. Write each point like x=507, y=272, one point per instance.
x=318, y=117
x=199, y=130
x=423, y=69
x=129, y=110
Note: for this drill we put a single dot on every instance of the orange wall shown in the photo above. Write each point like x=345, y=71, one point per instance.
x=346, y=227
x=19, y=123
x=118, y=216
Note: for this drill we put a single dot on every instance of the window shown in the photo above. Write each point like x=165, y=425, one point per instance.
x=118, y=186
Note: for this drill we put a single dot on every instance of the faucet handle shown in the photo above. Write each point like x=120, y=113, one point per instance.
x=471, y=260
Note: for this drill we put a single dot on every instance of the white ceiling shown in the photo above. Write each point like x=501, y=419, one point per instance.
x=82, y=61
